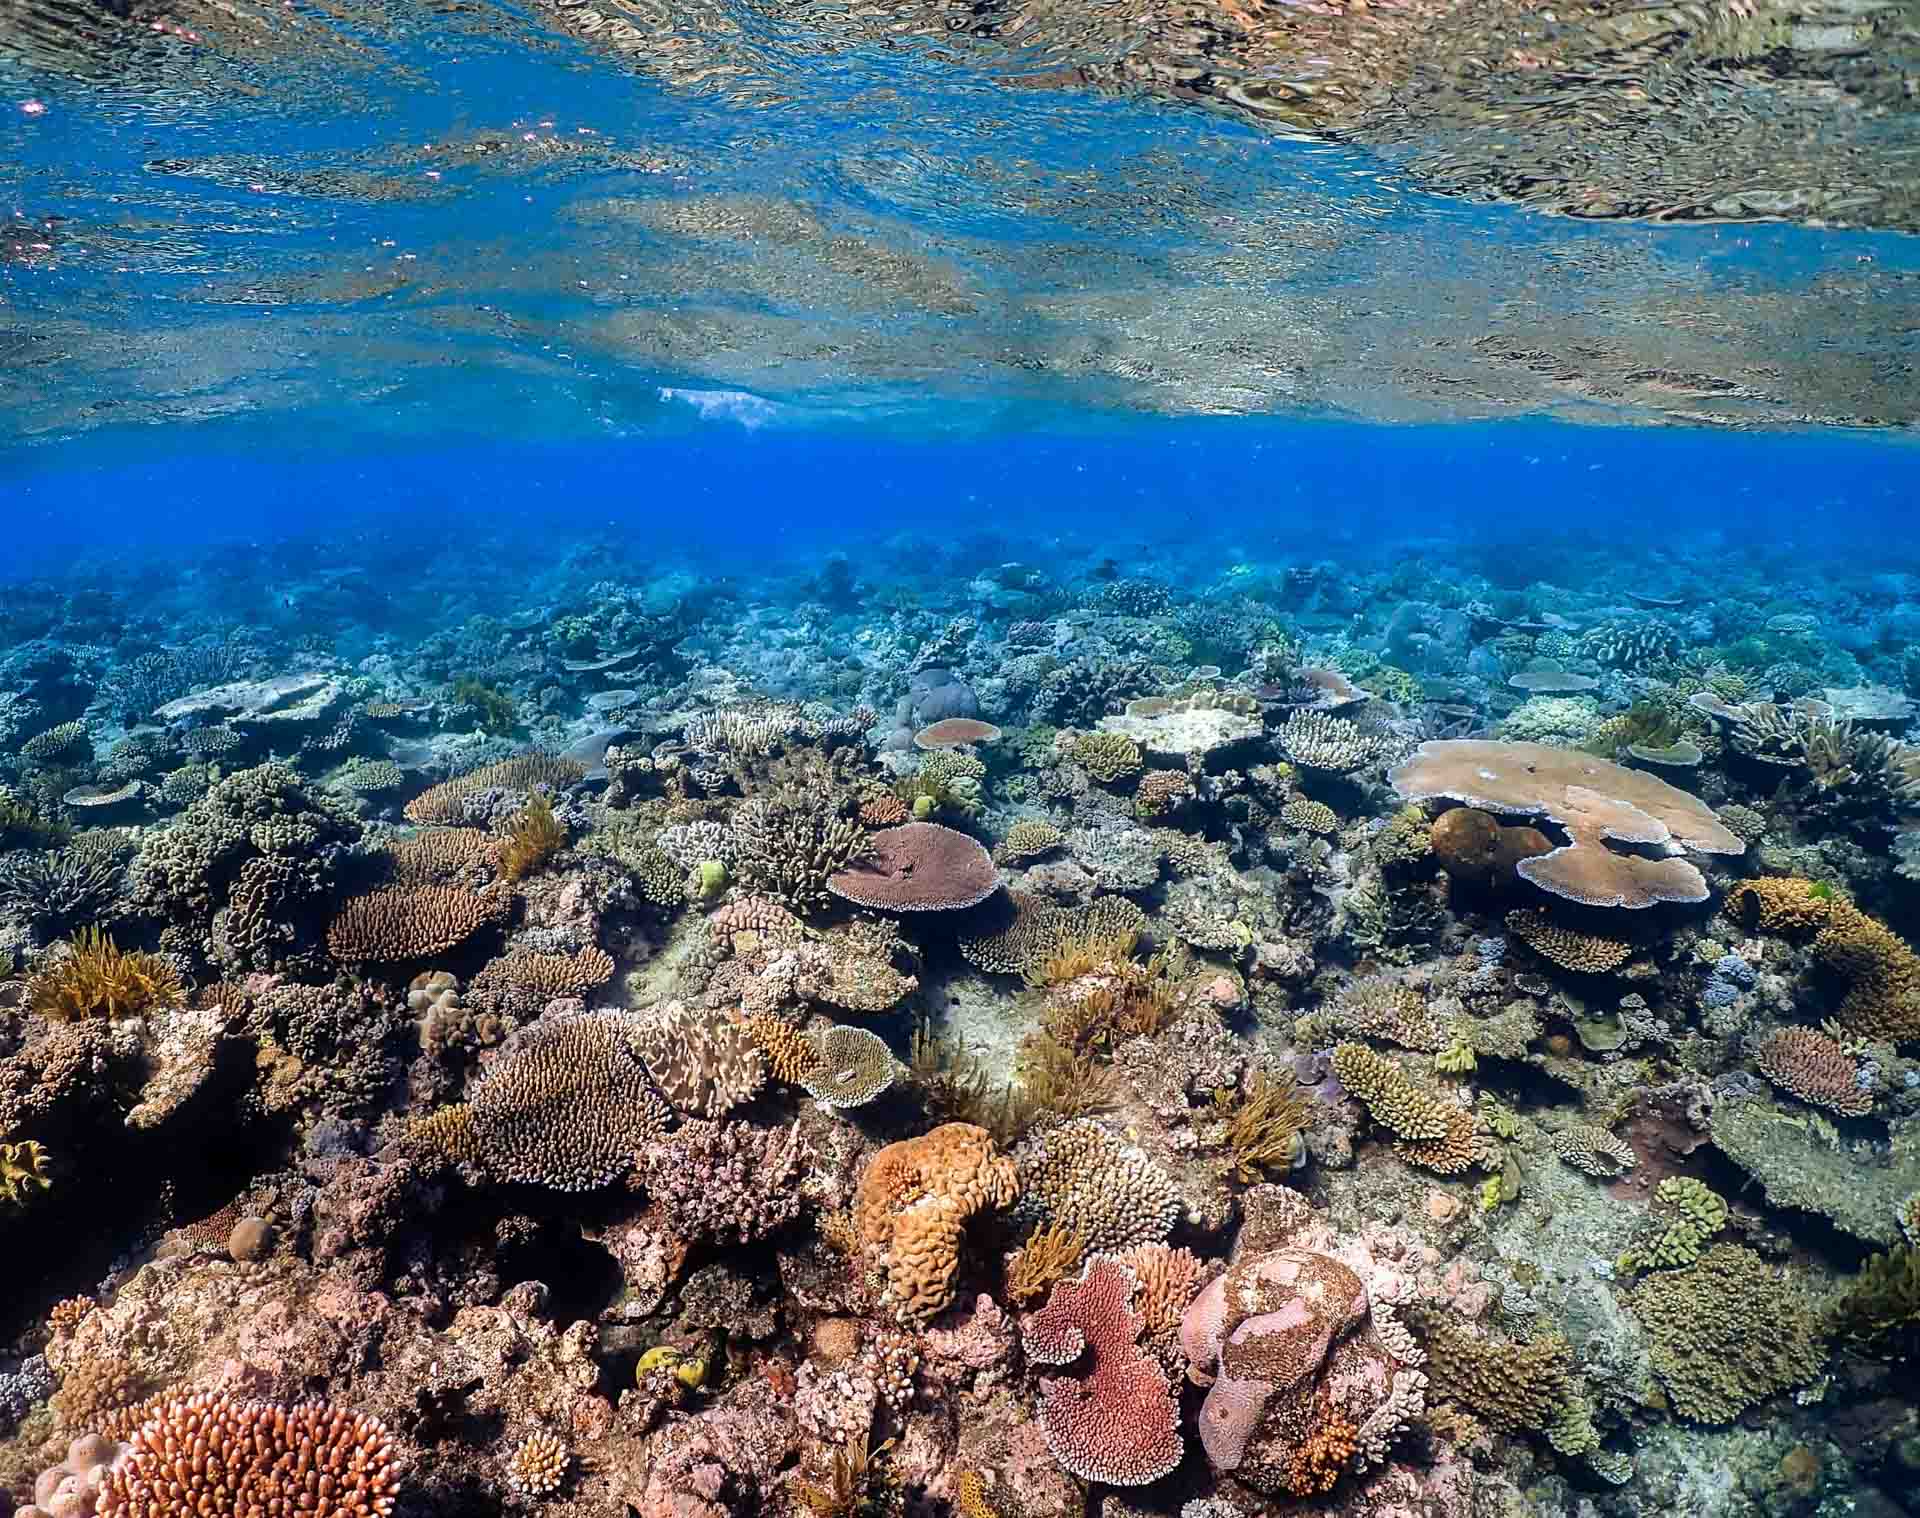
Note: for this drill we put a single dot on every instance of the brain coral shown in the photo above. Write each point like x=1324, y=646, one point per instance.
x=1080, y=1176
x=1727, y=1332
x=567, y=1105
x=913, y=1203
x=1595, y=801
x=1119, y=1423
x=217, y=1454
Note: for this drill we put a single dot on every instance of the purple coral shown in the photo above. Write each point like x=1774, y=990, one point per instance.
x=725, y=1180
x=1119, y=1424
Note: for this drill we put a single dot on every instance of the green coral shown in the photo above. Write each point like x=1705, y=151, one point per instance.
x=1691, y=1212
x=1105, y=756
x=1514, y=1388
x=1726, y=1332
x=22, y=827
x=948, y=780
x=495, y=706
x=1406, y=838
x=1880, y=1311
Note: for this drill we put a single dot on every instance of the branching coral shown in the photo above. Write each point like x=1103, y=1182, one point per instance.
x=93, y=978
x=1051, y=1253
x=1815, y=1068
x=1880, y=1310
x=1687, y=1213
x=400, y=923
x=788, y=846
x=1080, y=1175
x=1883, y=994
x=1727, y=1332
x=447, y=802
x=214, y=1453
x=1107, y=757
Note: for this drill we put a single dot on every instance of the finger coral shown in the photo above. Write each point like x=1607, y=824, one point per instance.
x=913, y=1202
x=1119, y=1422
x=214, y=1453
x=1883, y=994
x=94, y=978
x=1432, y=1131
x=1727, y=1332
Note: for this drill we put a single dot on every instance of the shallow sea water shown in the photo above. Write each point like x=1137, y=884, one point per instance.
x=1307, y=615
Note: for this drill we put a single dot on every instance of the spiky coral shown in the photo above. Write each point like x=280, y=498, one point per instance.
x=532, y=838
x=1265, y=1123
x=94, y=978
x=1881, y=1309
x=1050, y=1254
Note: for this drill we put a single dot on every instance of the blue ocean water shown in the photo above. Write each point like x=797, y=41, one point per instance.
x=1283, y=633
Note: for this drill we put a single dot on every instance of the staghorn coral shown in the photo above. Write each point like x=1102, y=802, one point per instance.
x=853, y=1067
x=93, y=978
x=1107, y=757
x=1569, y=948
x=703, y=1063
x=1725, y=1333
x=913, y=1203
x=539, y=1465
x=1033, y=931
x=446, y=803
x=1883, y=994
x=1815, y=1068
x=1080, y=1175
x=790, y=845
x=399, y=923
x=1594, y=800
x=566, y=1105
x=1119, y=1423
x=215, y=1453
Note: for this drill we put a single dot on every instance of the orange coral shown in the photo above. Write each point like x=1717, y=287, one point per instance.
x=1322, y=1455
x=914, y=1202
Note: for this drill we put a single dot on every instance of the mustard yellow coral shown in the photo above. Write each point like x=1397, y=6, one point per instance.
x=1883, y=994
x=23, y=1172
x=96, y=979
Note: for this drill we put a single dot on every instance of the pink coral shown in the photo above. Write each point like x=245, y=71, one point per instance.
x=1119, y=1424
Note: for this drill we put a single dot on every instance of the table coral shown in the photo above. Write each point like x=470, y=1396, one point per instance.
x=1817, y=1069
x=1119, y=1423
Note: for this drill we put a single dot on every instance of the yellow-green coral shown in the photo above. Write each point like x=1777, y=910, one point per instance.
x=96, y=979
x=1727, y=1332
x=532, y=838
x=1514, y=1388
x=1105, y=756
x=1881, y=1309
x=23, y=1172
x=1691, y=1213
x=1266, y=1126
